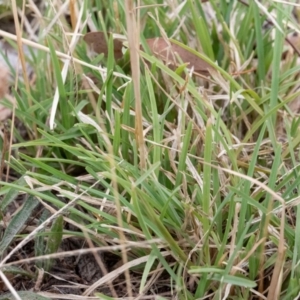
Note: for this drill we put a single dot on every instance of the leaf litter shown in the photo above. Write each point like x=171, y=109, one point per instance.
x=170, y=53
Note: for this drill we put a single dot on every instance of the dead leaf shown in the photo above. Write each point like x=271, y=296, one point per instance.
x=97, y=43
x=4, y=88
x=170, y=53
x=292, y=45
x=4, y=80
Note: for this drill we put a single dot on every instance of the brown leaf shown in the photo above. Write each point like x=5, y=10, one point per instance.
x=169, y=53
x=294, y=41
x=4, y=80
x=97, y=43
x=5, y=112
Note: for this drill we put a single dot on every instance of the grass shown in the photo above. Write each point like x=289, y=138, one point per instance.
x=192, y=183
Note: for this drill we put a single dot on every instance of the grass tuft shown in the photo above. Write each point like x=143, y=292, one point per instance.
x=180, y=185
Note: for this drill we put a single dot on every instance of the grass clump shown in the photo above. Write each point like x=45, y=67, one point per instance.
x=190, y=184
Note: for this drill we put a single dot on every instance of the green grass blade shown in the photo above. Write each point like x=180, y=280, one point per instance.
x=54, y=240
x=18, y=222
x=183, y=154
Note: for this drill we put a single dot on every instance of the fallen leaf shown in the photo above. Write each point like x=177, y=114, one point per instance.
x=97, y=43
x=170, y=53
x=294, y=42
x=4, y=88
x=4, y=80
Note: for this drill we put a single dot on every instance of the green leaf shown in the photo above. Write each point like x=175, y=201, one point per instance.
x=54, y=240
x=24, y=296
x=235, y=280
x=18, y=222
x=17, y=271
x=11, y=194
